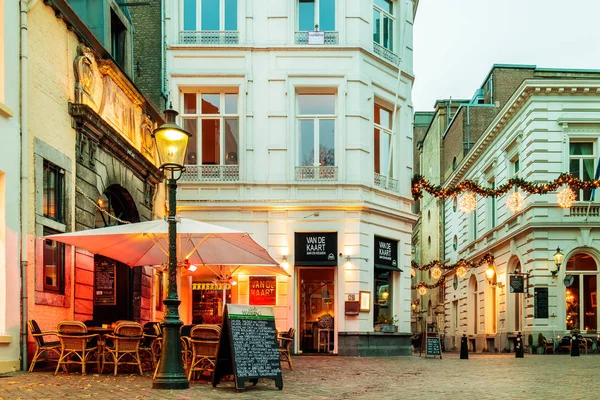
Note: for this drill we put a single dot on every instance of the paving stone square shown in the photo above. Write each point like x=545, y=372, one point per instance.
x=482, y=376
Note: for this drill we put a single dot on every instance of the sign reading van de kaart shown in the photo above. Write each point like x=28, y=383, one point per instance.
x=316, y=248
x=386, y=252
x=263, y=290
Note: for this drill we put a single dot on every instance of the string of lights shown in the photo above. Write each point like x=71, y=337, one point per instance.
x=420, y=183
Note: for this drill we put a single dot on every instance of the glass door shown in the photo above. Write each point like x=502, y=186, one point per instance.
x=316, y=309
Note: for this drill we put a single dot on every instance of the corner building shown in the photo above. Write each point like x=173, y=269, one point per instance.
x=301, y=118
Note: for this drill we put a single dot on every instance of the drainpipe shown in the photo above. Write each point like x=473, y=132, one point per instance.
x=24, y=179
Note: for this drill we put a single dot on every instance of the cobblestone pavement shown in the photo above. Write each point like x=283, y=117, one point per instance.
x=492, y=376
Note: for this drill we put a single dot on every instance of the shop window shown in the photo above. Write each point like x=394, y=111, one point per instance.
x=582, y=165
x=207, y=302
x=210, y=15
x=383, y=311
x=319, y=13
x=581, y=297
x=213, y=121
x=383, y=141
x=53, y=192
x=316, y=130
x=383, y=23
x=54, y=264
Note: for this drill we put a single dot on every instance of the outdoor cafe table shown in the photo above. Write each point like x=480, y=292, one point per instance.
x=101, y=341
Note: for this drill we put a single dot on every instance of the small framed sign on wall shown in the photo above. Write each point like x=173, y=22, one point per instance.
x=365, y=301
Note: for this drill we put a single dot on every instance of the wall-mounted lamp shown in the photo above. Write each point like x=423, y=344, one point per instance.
x=490, y=274
x=349, y=257
x=558, y=259
x=284, y=263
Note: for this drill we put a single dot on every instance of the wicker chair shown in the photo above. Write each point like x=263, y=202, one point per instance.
x=285, y=342
x=125, y=342
x=148, y=346
x=76, y=346
x=204, y=341
x=41, y=346
x=548, y=345
x=565, y=343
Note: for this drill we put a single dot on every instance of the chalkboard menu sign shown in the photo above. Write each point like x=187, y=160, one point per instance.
x=248, y=346
x=433, y=346
x=541, y=302
x=386, y=253
x=316, y=248
x=105, y=283
x=516, y=284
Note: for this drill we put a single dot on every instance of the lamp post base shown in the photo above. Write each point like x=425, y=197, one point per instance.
x=171, y=374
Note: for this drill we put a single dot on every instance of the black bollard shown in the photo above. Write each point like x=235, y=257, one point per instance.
x=519, y=351
x=464, y=348
x=575, y=346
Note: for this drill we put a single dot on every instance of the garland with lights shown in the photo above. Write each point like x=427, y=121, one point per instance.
x=460, y=267
x=419, y=183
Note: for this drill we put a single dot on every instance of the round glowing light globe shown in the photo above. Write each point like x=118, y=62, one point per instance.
x=413, y=273
x=566, y=197
x=461, y=271
x=436, y=273
x=468, y=202
x=422, y=290
x=515, y=202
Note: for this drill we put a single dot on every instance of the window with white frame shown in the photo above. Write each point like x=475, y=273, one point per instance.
x=316, y=129
x=210, y=15
x=383, y=141
x=312, y=13
x=582, y=163
x=581, y=297
x=515, y=166
x=383, y=23
x=213, y=121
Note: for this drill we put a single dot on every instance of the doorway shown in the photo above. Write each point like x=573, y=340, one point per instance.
x=316, y=309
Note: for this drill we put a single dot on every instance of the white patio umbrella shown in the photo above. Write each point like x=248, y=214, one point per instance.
x=146, y=243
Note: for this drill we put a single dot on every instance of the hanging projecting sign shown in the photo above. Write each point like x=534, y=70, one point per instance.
x=516, y=284
x=386, y=253
x=263, y=290
x=316, y=248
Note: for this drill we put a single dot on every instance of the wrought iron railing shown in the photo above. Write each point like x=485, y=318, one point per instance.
x=385, y=182
x=209, y=37
x=211, y=173
x=318, y=173
x=386, y=54
x=331, y=37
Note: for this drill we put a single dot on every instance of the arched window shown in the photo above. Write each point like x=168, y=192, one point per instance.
x=581, y=296
x=473, y=306
x=517, y=299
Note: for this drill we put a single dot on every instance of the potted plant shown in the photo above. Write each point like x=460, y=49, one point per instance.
x=386, y=324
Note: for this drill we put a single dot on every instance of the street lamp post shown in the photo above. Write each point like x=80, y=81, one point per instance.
x=171, y=143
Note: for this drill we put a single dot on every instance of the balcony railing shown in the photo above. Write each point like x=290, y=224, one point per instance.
x=316, y=38
x=209, y=37
x=318, y=173
x=385, y=182
x=386, y=54
x=585, y=211
x=211, y=173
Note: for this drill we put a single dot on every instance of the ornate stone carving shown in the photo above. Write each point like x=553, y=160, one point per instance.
x=146, y=128
x=117, y=108
x=84, y=65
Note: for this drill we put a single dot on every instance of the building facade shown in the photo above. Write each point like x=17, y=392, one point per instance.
x=91, y=163
x=301, y=118
x=10, y=178
x=544, y=122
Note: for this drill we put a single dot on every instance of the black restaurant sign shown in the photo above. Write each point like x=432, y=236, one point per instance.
x=386, y=252
x=517, y=284
x=315, y=248
x=248, y=347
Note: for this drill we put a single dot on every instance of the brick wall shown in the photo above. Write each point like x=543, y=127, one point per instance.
x=147, y=51
x=506, y=81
